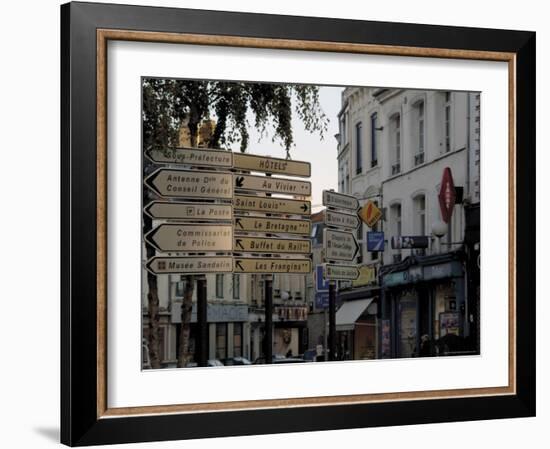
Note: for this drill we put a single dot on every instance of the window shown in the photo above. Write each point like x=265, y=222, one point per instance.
x=396, y=219
x=373, y=140
x=236, y=286
x=447, y=122
x=343, y=124
x=395, y=129
x=221, y=340
x=420, y=215
x=219, y=286
x=358, y=148
x=179, y=289
x=418, y=130
x=237, y=339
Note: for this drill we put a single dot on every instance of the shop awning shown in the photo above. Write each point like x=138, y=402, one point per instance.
x=349, y=313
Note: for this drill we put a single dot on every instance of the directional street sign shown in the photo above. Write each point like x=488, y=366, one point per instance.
x=370, y=214
x=192, y=156
x=341, y=220
x=339, y=245
x=375, y=241
x=190, y=265
x=191, y=237
x=273, y=225
x=189, y=211
x=268, y=265
x=271, y=205
x=340, y=200
x=267, y=164
x=334, y=272
x=272, y=185
x=272, y=245
x=191, y=184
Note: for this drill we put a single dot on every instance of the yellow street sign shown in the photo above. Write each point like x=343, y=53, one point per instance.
x=265, y=164
x=273, y=225
x=271, y=245
x=271, y=205
x=270, y=266
x=370, y=214
x=367, y=276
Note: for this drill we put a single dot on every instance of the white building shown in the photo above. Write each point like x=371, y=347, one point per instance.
x=393, y=147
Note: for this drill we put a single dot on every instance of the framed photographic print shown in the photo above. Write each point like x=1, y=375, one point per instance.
x=283, y=224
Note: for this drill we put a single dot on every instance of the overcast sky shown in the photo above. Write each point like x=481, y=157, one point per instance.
x=308, y=147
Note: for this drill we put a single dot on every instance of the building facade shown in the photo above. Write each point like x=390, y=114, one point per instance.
x=393, y=148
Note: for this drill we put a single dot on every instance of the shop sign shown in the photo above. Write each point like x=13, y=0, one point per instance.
x=397, y=278
x=367, y=276
x=451, y=269
x=447, y=195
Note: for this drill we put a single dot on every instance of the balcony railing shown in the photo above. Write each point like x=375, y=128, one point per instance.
x=395, y=168
x=419, y=158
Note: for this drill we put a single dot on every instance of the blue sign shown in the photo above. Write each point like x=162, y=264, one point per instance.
x=321, y=300
x=320, y=284
x=375, y=241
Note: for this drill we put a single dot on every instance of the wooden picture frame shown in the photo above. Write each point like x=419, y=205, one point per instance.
x=85, y=416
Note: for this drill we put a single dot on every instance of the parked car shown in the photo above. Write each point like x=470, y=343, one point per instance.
x=236, y=361
x=279, y=359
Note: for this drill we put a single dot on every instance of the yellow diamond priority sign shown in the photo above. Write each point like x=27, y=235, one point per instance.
x=370, y=214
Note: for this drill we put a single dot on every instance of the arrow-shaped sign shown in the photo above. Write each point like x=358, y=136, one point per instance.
x=272, y=245
x=190, y=265
x=271, y=265
x=273, y=225
x=191, y=238
x=265, y=164
x=340, y=200
x=271, y=205
x=190, y=184
x=341, y=220
x=189, y=211
x=339, y=245
x=333, y=272
x=273, y=185
x=199, y=157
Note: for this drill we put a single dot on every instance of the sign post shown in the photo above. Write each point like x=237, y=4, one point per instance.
x=332, y=320
x=202, y=324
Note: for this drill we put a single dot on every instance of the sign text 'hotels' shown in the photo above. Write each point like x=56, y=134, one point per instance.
x=192, y=156
x=339, y=245
x=190, y=265
x=265, y=164
x=333, y=272
x=273, y=225
x=271, y=205
x=340, y=200
x=189, y=211
x=272, y=185
x=272, y=245
x=271, y=265
x=191, y=184
x=191, y=237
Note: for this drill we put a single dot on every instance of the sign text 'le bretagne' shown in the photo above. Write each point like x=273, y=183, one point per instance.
x=272, y=225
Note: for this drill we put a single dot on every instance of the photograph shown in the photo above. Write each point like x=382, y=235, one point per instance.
x=295, y=223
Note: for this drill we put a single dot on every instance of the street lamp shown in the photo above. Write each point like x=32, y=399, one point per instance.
x=439, y=229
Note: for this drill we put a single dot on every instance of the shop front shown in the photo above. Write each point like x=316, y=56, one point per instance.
x=423, y=307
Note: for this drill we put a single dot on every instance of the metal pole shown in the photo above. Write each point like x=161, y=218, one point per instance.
x=202, y=334
x=332, y=320
x=268, y=318
x=325, y=334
